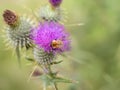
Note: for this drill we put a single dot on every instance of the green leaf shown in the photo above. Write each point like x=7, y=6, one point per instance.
x=56, y=62
x=49, y=80
x=46, y=79
x=62, y=80
x=29, y=59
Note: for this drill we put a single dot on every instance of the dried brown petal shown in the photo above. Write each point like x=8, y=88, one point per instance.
x=10, y=17
x=36, y=73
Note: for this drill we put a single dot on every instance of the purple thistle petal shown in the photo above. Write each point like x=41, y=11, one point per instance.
x=55, y=3
x=47, y=32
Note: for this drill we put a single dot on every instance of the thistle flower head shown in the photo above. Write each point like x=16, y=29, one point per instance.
x=55, y=3
x=19, y=35
x=10, y=17
x=52, y=37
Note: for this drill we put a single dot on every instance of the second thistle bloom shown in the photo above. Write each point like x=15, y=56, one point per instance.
x=55, y=3
x=18, y=29
x=52, y=37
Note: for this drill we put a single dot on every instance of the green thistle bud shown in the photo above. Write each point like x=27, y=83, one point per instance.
x=48, y=13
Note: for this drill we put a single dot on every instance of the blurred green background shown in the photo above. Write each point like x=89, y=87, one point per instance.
x=94, y=60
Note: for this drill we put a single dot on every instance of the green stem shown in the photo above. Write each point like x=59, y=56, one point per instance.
x=32, y=73
x=44, y=87
x=51, y=74
x=18, y=55
x=55, y=86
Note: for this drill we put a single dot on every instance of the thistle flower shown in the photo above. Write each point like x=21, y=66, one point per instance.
x=55, y=3
x=17, y=30
x=51, y=12
x=51, y=37
x=19, y=35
